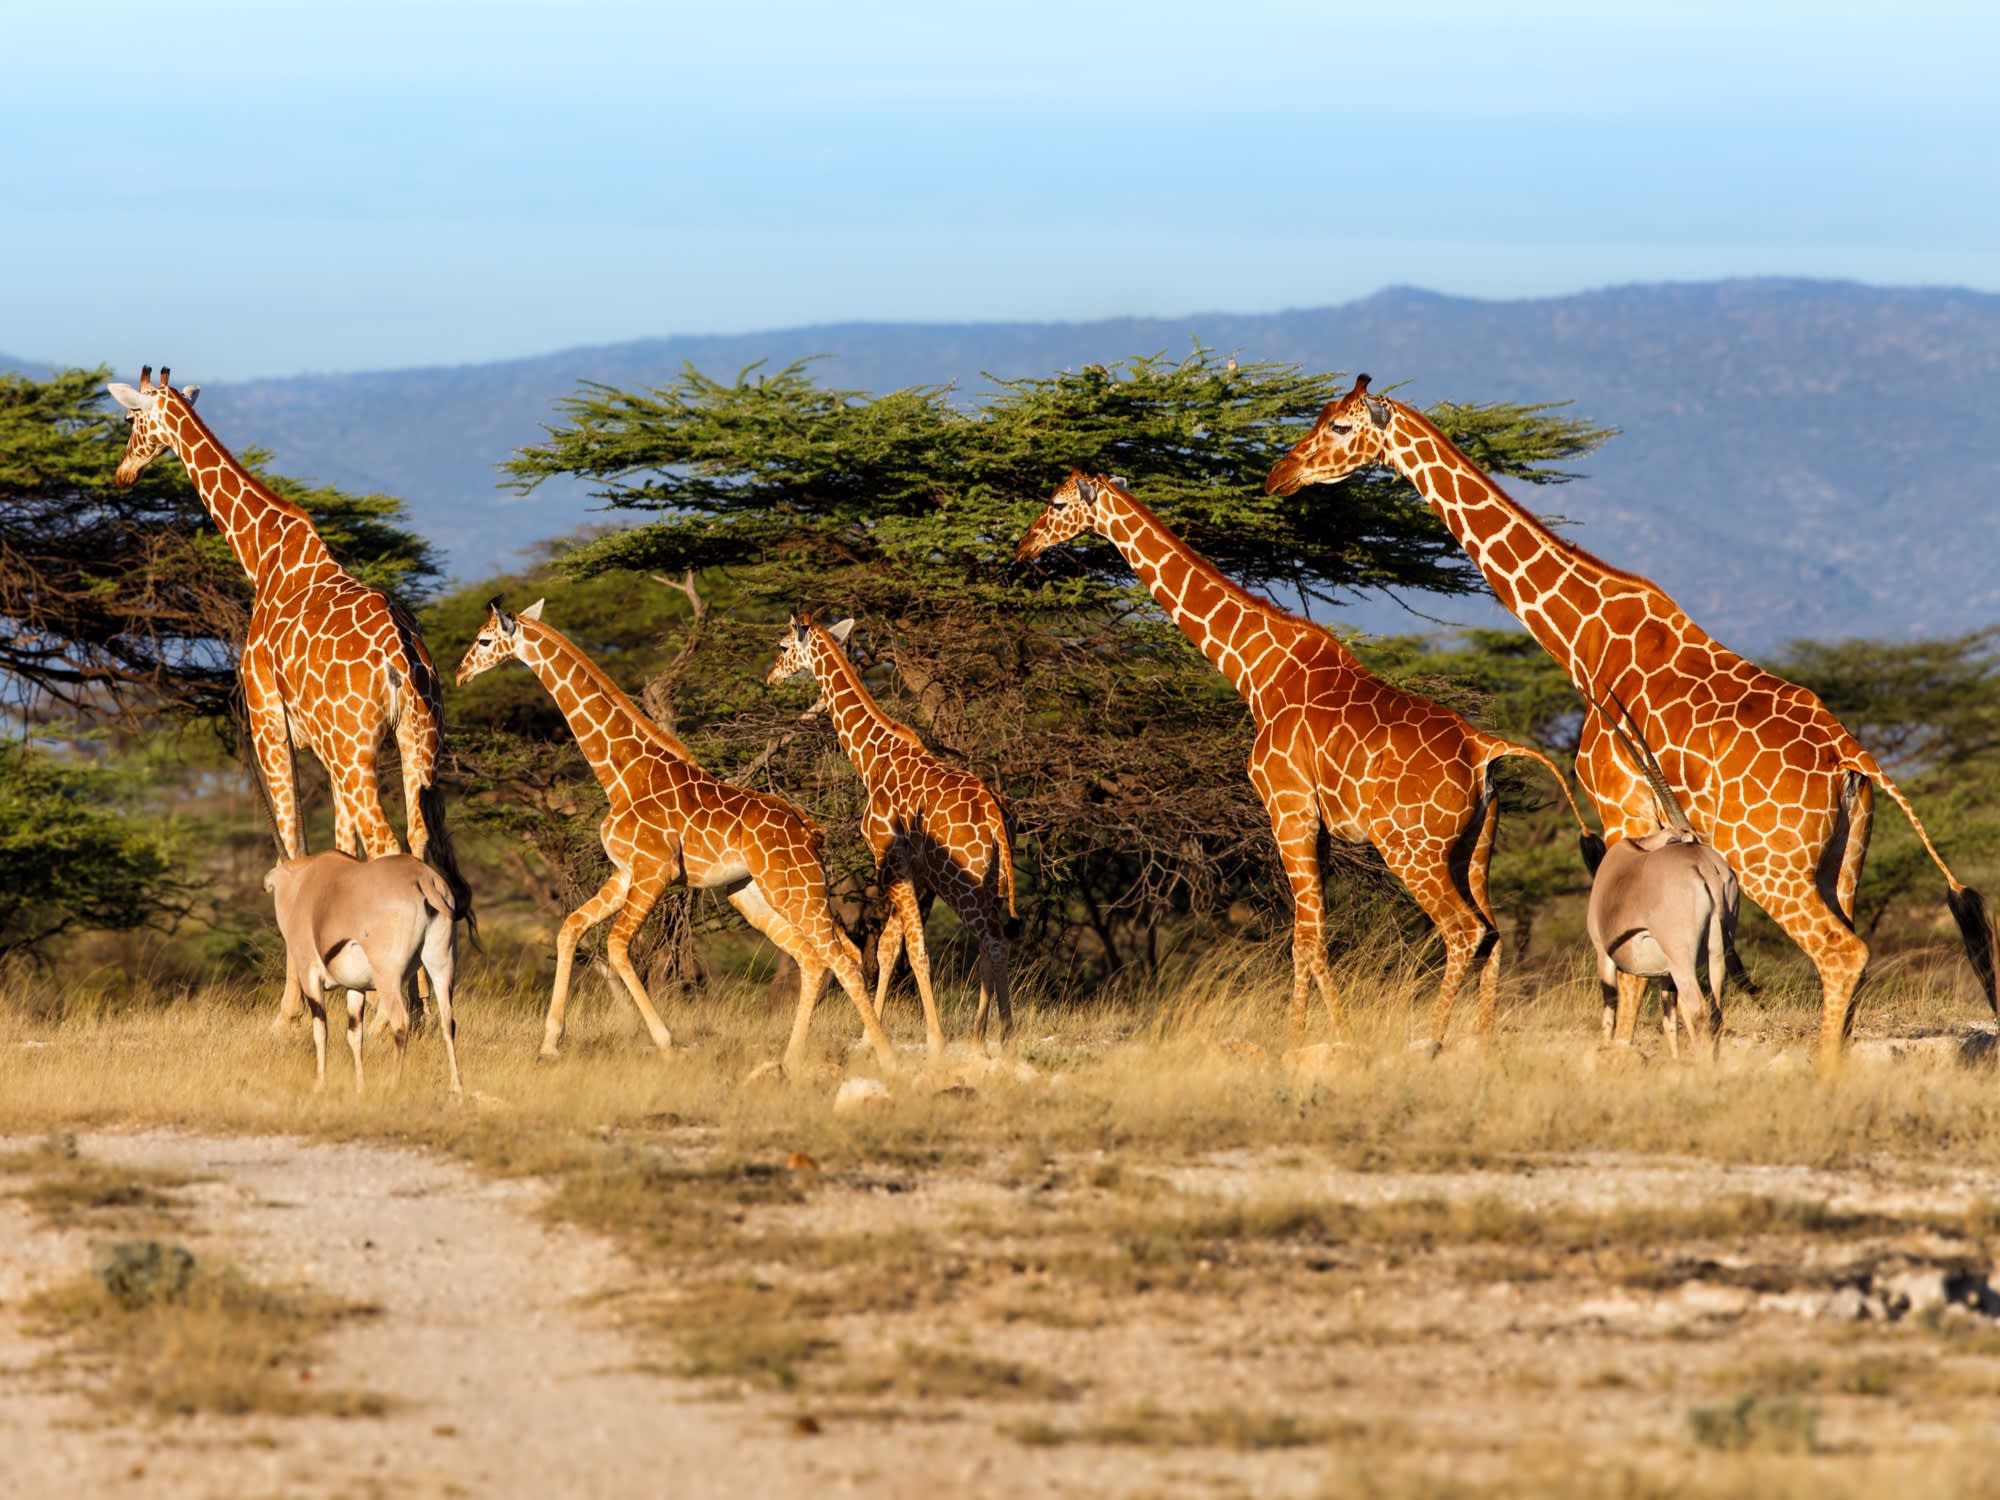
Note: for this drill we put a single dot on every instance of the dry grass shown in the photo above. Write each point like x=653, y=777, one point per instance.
x=1147, y=1182
x=184, y=1338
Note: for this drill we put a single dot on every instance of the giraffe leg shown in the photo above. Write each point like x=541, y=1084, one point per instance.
x=1860, y=808
x=1295, y=824
x=990, y=930
x=845, y=962
x=903, y=894
x=1422, y=861
x=888, y=953
x=1631, y=995
x=645, y=891
x=609, y=898
x=271, y=744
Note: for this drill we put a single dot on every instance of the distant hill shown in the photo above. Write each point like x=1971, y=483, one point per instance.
x=1796, y=458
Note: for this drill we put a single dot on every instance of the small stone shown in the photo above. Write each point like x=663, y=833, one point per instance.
x=1307, y=1063
x=1843, y=1305
x=858, y=1095
x=1912, y=1292
x=1715, y=1299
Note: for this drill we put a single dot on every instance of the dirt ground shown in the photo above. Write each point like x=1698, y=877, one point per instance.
x=1135, y=1256
x=1397, y=1360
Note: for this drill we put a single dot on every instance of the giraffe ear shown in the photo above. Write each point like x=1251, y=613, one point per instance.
x=500, y=615
x=841, y=631
x=534, y=611
x=189, y=392
x=1378, y=410
x=1086, y=491
x=125, y=396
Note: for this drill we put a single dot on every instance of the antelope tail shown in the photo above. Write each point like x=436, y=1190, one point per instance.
x=1968, y=907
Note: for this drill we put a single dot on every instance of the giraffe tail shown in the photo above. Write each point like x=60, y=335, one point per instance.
x=1590, y=842
x=1968, y=907
x=1005, y=849
x=441, y=857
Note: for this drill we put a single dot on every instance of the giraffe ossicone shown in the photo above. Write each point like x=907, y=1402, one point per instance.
x=1778, y=786
x=1337, y=749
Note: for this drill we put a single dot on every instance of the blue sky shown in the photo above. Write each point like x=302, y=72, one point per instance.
x=267, y=188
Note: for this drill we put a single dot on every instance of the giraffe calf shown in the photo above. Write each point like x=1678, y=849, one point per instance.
x=367, y=926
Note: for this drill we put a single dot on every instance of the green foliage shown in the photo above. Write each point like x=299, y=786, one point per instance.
x=73, y=853
x=1119, y=749
x=771, y=466
x=1930, y=712
x=132, y=597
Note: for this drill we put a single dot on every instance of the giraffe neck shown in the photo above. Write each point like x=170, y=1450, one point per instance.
x=1228, y=624
x=608, y=726
x=272, y=538
x=865, y=731
x=1551, y=586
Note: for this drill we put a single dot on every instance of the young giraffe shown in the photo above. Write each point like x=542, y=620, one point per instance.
x=328, y=663
x=931, y=827
x=671, y=821
x=1773, y=781
x=1336, y=748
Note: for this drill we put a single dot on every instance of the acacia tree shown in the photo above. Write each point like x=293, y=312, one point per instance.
x=130, y=599
x=1120, y=751
x=124, y=604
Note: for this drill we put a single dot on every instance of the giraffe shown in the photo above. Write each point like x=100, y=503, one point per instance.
x=931, y=827
x=1336, y=749
x=672, y=821
x=1770, y=778
x=328, y=663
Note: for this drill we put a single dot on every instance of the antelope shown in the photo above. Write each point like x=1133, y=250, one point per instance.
x=361, y=926
x=1660, y=903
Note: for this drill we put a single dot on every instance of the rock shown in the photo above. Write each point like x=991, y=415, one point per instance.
x=861, y=1095
x=1305, y=1064
x=1714, y=1299
x=1912, y=1292
x=1844, y=1304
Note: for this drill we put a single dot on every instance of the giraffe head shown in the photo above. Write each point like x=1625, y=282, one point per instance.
x=795, y=646
x=1351, y=434
x=150, y=410
x=498, y=639
x=1072, y=510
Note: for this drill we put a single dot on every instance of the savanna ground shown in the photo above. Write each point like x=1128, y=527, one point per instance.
x=1138, y=1254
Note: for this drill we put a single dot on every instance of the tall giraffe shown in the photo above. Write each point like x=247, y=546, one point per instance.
x=1336, y=748
x=328, y=663
x=671, y=821
x=1771, y=778
x=931, y=826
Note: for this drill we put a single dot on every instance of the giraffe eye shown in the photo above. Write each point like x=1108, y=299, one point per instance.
x=1341, y=427
x=484, y=640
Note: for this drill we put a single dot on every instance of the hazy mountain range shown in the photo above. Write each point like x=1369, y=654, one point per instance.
x=1795, y=458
